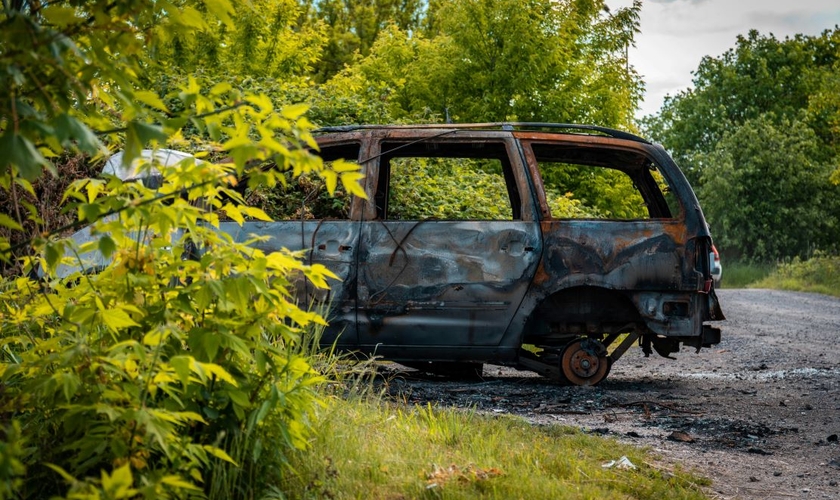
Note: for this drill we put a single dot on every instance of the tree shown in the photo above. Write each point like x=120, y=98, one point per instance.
x=262, y=39
x=502, y=60
x=760, y=126
x=542, y=61
x=792, y=79
x=353, y=26
x=766, y=192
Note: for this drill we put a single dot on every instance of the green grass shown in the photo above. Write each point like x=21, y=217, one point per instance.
x=741, y=275
x=370, y=449
x=819, y=274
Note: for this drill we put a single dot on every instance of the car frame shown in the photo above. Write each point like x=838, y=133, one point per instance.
x=564, y=297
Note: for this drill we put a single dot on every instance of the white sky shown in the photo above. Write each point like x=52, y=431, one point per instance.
x=676, y=34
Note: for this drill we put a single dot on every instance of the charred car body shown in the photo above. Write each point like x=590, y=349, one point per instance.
x=523, y=283
x=457, y=293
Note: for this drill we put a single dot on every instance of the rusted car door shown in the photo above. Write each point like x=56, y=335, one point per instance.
x=435, y=276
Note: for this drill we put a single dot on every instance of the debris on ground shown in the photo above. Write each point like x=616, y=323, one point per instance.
x=621, y=463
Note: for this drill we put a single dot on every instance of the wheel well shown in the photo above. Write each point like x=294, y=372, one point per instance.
x=583, y=310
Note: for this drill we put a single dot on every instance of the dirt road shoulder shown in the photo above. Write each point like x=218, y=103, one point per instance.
x=759, y=414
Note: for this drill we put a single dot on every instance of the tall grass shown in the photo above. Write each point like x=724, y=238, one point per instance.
x=743, y=274
x=819, y=274
x=369, y=448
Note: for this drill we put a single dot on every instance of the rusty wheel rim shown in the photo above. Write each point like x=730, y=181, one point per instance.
x=581, y=367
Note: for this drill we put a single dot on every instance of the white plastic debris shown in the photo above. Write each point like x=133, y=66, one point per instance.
x=165, y=157
x=621, y=463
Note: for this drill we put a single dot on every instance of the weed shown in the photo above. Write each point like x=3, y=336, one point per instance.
x=366, y=447
x=742, y=274
x=819, y=274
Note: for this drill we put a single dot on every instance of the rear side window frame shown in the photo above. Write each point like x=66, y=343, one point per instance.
x=643, y=181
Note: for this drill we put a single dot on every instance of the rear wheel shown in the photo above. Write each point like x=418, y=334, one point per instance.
x=584, y=362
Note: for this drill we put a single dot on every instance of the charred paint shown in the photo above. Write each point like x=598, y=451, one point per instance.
x=454, y=281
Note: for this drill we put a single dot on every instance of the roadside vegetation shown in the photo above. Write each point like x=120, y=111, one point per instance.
x=743, y=274
x=819, y=274
x=368, y=448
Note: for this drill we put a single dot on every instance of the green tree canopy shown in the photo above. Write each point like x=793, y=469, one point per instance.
x=479, y=60
x=766, y=192
x=261, y=39
x=353, y=26
x=758, y=137
x=794, y=79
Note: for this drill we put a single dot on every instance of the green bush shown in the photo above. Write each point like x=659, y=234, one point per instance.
x=141, y=378
x=820, y=274
x=173, y=368
x=170, y=365
x=45, y=200
x=447, y=188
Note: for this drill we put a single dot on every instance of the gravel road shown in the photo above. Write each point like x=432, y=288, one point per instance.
x=758, y=414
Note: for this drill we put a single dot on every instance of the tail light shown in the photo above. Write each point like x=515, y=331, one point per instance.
x=715, y=258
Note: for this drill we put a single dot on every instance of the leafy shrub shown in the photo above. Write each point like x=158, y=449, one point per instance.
x=45, y=201
x=566, y=206
x=134, y=379
x=304, y=197
x=820, y=273
x=591, y=192
x=179, y=352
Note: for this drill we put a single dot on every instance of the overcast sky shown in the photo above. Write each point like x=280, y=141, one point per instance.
x=676, y=34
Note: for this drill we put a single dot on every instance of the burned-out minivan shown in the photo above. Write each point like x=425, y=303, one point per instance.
x=593, y=241
x=548, y=247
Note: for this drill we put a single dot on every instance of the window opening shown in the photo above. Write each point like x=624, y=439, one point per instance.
x=600, y=183
x=306, y=196
x=447, y=181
